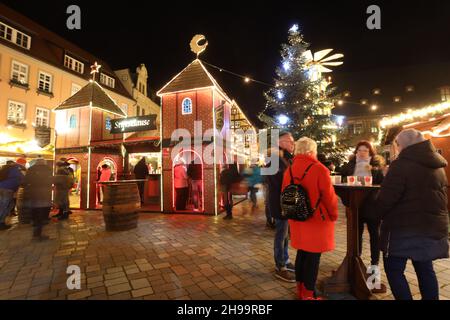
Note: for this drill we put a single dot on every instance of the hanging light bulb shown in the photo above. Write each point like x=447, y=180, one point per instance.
x=286, y=66
x=247, y=79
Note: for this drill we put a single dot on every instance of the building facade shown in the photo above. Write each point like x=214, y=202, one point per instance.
x=38, y=71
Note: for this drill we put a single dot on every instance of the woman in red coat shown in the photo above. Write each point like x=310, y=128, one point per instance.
x=315, y=235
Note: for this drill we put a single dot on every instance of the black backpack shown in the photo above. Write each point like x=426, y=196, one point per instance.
x=295, y=203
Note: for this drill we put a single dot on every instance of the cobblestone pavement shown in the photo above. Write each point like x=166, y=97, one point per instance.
x=166, y=257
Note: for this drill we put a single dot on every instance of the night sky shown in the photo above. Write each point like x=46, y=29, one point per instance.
x=245, y=36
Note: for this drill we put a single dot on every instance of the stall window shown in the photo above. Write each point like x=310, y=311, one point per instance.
x=108, y=123
x=73, y=122
x=186, y=106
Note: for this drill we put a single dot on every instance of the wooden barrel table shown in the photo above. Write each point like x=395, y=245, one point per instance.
x=121, y=203
x=23, y=212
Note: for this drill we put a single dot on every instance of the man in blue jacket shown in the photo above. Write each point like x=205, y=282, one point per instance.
x=10, y=180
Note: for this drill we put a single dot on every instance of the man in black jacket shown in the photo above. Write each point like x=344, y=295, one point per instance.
x=284, y=269
x=413, y=202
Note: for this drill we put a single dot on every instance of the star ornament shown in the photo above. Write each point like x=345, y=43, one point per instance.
x=95, y=68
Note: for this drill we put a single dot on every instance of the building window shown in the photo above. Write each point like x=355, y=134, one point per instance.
x=19, y=72
x=376, y=91
x=397, y=99
x=108, y=123
x=357, y=128
x=73, y=121
x=347, y=94
x=15, y=36
x=107, y=80
x=445, y=94
x=143, y=112
x=410, y=89
x=75, y=88
x=186, y=106
x=138, y=111
x=42, y=117
x=16, y=112
x=374, y=130
x=45, y=82
x=125, y=108
x=364, y=101
x=73, y=64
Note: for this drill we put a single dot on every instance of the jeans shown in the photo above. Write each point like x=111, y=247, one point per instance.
x=39, y=215
x=6, y=197
x=266, y=204
x=253, y=192
x=228, y=202
x=373, y=226
x=181, y=198
x=307, y=268
x=428, y=284
x=281, y=243
x=196, y=188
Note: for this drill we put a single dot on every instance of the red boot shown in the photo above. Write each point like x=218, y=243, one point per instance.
x=300, y=290
x=309, y=294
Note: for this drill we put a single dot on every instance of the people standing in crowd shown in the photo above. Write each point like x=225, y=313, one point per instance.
x=63, y=181
x=284, y=269
x=194, y=173
x=38, y=195
x=141, y=173
x=365, y=162
x=413, y=206
x=181, y=186
x=316, y=235
x=21, y=162
x=10, y=180
x=228, y=176
x=105, y=176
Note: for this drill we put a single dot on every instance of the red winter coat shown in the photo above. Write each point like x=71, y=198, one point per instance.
x=317, y=233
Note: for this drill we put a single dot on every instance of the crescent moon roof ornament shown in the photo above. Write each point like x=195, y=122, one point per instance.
x=195, y=44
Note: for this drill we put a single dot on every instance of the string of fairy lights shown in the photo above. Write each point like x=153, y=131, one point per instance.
x=246, y=79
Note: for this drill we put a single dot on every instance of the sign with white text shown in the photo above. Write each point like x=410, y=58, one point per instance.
x=134, y=124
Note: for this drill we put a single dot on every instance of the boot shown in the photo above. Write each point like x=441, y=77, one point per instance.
x=60, y=213
x=300, y=290
x=64, y=216
x=309, y=294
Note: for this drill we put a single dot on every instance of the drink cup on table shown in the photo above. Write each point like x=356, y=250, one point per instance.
x=368, y=180
x=337, y=179
x=351, y=180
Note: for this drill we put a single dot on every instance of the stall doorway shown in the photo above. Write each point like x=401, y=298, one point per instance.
x=188, y=182
x=75, y=192
x=106, y=171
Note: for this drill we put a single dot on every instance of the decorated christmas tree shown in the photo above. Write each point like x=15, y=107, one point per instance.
x=302, y=99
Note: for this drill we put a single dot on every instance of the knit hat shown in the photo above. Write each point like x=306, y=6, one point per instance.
x=409, y=137
x=21, y=161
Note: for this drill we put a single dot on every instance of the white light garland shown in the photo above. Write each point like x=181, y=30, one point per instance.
x=414, y=114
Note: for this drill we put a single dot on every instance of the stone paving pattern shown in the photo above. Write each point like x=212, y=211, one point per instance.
x=190, y=257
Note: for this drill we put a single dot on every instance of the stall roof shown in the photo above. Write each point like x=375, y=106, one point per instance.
x=92, y=93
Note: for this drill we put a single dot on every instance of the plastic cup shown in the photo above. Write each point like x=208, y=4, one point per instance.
x=337, y=179
x=368, y=181
x=351, y=180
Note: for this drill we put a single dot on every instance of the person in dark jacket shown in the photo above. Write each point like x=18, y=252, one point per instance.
x=413, y=204
x=228, y=176
x=63, y=183
x=141, y=172
x=38, y=195
x=194, y=172
x=365, y=162
x=284, y=268
x=9, y=184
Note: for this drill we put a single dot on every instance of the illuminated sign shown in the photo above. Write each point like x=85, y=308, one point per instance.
x=143, y=123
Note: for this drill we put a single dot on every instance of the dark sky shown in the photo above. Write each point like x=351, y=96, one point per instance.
x=245, y=36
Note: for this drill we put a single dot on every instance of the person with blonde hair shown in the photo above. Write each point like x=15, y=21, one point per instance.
x=316, y=235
